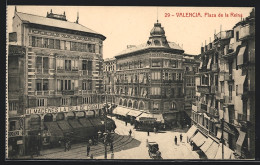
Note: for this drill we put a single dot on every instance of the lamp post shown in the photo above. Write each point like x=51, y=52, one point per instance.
x=222, y=128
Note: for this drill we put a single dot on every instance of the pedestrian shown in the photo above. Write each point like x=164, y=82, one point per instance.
x=154, y=129
x=148, y=132
x=90, y=142
x=125, y=123
x=65, y=145
x=180, y=137
x=112, y=147
x=130, y=132
x=88, y=149
x=175, y=139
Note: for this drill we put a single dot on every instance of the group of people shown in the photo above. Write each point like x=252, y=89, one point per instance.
x=176, y=139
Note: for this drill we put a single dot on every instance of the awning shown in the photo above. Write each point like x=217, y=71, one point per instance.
x=134, y=113
x=227, y=152
x=54, y=129
x=199, y=139
x=219, y=133
x=240, y=56
x=85, y=122
x=240, y=141
x=121, y=111
x=206, y=145
x=212, y=150
x=74, y=123
x=169, y=116
x=206, y=116
x=65, y=126
x=200, y=65
x=208, y=66
x=150, y=117
x=191, y=131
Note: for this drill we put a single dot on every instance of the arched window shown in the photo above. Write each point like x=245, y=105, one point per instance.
x=173, y=106
x=35, y=122
x=120, y=102
x=130, y=104
x=141, y=105
x=60, y=116
x=135, y=106
x=125, y=103
x=48, y=117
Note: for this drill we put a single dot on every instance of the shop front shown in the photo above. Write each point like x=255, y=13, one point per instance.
x=15, y=143
x=149, y=121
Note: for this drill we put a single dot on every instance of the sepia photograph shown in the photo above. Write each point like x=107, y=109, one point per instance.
x=130, y=82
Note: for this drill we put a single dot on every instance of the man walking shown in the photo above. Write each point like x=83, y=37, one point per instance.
x=125, y=123
x=148, y=132
x=111, y=147
x=130, y=132
x=180, y=137
x=88, y=149
x=175, y=139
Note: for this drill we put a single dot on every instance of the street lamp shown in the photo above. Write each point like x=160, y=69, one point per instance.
x=222, y=128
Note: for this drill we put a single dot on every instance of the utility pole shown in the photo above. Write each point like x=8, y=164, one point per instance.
x=222, y=128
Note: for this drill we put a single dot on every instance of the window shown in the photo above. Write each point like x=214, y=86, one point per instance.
x=155, y=91
x=74, y=46
x=166, y=76
x=38, y=42
x=41, y=102
x=179, y=92
x=91, y=48
x=45, y=42
x=86, y=100
x=173, y=63
x=156, y=75
x=68, y=65
x=74, y=64
x=237, y=36
x=222, y=86
x=13, y=106
x=230, y=88
x=38, y=85
x=89, y=85
x=33, y=41
x=57, y=44
x=12, y=125
x=60, y=63
x=172, y=92
x=67, y=45
x=156, y=63
x=65, y=101
x=62, y=45
x=51, y=43
x=45, y=84
x=236, y=90
x=173, y=76
x=100, y=49
x=84, y=64
x=84, y=85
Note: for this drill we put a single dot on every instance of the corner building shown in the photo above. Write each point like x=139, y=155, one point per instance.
x=149, y=80
x=55, y=74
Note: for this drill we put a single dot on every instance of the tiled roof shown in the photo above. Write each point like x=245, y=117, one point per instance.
x=145, y=46
x=40, y=20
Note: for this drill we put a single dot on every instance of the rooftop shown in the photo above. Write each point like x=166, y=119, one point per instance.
x=40, y=20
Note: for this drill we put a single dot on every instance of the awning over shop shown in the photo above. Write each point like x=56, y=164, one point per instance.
x=54, y=129
x=227, y=152
x=121, y=111
x=74, y=123
x=240, y=56
x=212, y=150
x=240, y=141
x=96, y=121
x=85, y=122
x=134, y=113
x=206, y=145
x=150, y=117
x=199, y=139
x=64, y=125
x=191, y=131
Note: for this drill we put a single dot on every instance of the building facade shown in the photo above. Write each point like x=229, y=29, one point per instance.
x=149, y=79
x=225, y=90
x=54, y=72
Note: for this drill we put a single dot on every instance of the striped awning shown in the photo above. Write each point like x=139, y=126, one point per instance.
x=206, y=145
x=199, y=139
x=121, y=111
x=134, y=113
x=227, y=152
x=212, y=150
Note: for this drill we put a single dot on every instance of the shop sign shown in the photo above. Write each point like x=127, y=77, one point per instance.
x=46, y=110
x=15, y=133
x=19, y=141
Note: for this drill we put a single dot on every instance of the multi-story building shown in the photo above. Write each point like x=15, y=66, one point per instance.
x=109, y=81
x=54, y=72
x=190, y=66
x=225, y=85
x=149, y=80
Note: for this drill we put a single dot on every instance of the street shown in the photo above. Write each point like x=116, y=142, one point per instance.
x=126, y=147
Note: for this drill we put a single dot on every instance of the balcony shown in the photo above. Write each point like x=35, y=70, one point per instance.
x=86, y=73
x=203, y=107
x=228, y=100
x=213, y=112
x=219, y=95
x=44, y=93
x=213, y=89
x=228, y=77
x=244, y=32
x=214, y=67
x=224, y=35
x=42, y=71
x=68, y=92
x=203, y=89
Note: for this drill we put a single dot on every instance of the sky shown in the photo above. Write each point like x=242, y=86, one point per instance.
x=131, y=25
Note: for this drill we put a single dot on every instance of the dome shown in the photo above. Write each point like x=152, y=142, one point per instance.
x=157, y=29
